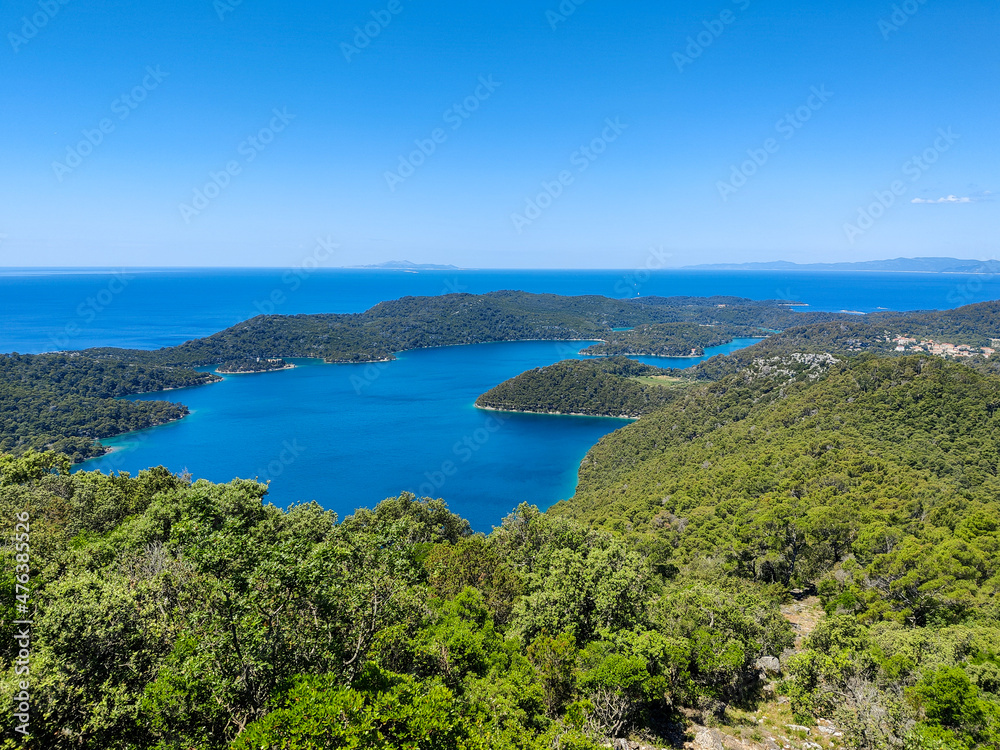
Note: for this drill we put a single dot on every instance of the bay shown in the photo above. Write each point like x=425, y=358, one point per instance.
x=348, y=436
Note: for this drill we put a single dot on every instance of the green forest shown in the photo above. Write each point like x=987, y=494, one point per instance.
x=67, y=402
x=603, y=388
x=797, y=545
x=172, y=614
x=447, y=320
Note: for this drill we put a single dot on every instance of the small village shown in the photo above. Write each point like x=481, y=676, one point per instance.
x=943, y=349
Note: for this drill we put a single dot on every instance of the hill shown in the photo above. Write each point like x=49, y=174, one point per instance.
x=601, y=388
x=786, y=471
x=68, y=402
x=447, y=320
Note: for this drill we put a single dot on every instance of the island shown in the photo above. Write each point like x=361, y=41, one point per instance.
x=613, y=387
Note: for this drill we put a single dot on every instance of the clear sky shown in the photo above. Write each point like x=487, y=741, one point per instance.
x=522, y=133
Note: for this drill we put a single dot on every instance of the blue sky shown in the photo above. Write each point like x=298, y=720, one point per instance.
x=585, y=134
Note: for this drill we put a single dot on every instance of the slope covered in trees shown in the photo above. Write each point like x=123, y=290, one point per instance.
x=175, y=615
x=874, y=480
x=602, y=388
x=419, y=322
x=67, y=402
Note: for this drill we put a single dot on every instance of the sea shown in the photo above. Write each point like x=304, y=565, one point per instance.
x=348, y=436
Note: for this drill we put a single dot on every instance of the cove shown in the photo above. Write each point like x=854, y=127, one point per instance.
x=348, y=436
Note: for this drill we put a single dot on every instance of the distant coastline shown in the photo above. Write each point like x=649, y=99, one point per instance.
x=961, y=266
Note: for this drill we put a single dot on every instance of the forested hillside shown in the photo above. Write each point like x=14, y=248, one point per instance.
x=602, y=388
x=176, y=615
x=874, y=480
x=419, y=322
x=68, y=402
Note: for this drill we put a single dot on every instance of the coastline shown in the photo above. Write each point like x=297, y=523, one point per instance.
x=558, y=413
x=173, y=388
x=256, y=372
x=107, y=450
x=647, y=354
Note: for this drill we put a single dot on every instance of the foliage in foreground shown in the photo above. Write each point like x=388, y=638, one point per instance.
x=178, y=615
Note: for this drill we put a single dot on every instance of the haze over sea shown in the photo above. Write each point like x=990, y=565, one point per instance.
x=351, y=435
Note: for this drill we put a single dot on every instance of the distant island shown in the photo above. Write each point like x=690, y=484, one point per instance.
x=898, y=265
x=405, y=265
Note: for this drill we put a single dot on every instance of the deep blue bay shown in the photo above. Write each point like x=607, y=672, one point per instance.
x=350, y=435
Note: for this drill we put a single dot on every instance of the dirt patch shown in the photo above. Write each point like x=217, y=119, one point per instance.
x=804, y=615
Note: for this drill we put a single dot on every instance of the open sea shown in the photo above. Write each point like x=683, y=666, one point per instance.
x=350, y=435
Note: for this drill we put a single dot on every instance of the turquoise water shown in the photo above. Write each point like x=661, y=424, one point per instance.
x=352, y=435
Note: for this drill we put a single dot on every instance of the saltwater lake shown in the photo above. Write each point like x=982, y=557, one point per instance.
x=351, y=435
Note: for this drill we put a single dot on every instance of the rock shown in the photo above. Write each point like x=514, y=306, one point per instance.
x=799, y=728
x=708, y=739
x=770, y=664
